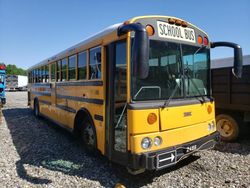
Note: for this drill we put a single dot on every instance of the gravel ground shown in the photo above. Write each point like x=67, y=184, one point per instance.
x=36, y=153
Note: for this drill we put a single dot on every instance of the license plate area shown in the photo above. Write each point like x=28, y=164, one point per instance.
x=166, y=159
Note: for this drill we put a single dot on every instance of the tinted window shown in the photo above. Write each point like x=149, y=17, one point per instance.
x=95, y=63
x=72, y=67
x=46, y=71
x=58, y=71
x=53, y=69
x=82, y=68
x=64, y=69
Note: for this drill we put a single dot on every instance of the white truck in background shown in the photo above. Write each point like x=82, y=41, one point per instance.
x=16, y=83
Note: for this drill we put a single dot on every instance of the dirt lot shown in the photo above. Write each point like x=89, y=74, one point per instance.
x=36, y=153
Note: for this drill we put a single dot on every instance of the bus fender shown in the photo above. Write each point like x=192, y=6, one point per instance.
x=80, y=116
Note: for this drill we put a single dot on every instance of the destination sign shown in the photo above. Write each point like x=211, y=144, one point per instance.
x=170, y=31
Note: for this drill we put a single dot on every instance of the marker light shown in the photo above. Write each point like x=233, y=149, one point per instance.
x=171, y=20
x=184, y=24
x=126, y=22
x=152, y=118
x=150, y=30
x=200, y=39
x=178, y=22
x=205, y=41
x=209, y=109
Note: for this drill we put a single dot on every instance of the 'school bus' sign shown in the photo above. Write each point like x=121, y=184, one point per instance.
x=171, y=31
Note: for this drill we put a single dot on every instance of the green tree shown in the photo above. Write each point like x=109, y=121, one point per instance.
x=14, y=70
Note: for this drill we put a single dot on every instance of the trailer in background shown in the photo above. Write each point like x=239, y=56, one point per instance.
x=232, y=97
x=16, y=83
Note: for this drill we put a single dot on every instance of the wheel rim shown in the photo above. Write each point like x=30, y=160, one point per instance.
x=89, y=136
x=225, y=127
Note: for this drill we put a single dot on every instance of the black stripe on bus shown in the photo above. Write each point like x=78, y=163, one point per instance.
x=98, y=117
x=66, y=108
x=89, y=83
x=45, y=102
x=41, y=93
x=41, y=85
x=88, y=100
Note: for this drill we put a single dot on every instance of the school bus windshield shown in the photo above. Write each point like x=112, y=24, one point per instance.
x=174, y=69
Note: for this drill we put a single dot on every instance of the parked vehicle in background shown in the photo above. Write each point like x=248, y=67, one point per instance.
x=139, y=91
x=2, y=84
x=16, y=83
x=232, y=96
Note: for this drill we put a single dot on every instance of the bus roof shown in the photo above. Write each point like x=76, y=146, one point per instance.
x=228, y=62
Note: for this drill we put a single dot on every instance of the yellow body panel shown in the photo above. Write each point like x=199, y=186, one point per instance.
x=171, y=137
x=181, y=116
x=138, y=124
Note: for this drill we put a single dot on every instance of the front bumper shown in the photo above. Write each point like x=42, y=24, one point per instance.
x=170, y=156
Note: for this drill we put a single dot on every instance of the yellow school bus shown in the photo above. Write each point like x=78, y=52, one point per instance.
x=138, y=92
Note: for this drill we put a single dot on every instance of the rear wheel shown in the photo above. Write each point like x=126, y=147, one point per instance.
x=88, y=136
x=227, y=127
x=36, y=108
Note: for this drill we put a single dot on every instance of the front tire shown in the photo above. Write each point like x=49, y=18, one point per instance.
x=227, y=127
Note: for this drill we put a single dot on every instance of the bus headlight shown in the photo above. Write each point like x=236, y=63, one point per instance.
x=157, y=141
x=146, y=143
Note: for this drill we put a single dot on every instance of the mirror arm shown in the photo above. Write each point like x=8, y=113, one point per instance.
x=237, y=69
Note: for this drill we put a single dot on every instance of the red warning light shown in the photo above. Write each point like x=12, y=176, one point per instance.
x=2, y=67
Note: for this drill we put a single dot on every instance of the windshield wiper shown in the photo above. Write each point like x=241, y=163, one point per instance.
x=166, y=103
x=194, y=84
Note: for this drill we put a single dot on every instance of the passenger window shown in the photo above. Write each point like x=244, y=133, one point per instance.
x=39, y=75
x=52, y=72
x=64, y=69
x=34, y=76
x=46, y=71
x=72, y=67
x=58, y=71
x=82, y=65
x=43, y=74
x=95, y=63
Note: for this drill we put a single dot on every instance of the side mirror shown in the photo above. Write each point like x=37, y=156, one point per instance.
x=237, y=69
x=140, y=49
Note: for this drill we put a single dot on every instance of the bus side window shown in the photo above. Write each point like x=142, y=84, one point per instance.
x=37, y=75
x=52, y=72
x=40, y=70
x=95, y=63
x=72, y=67
x=43, y=74
x=34, y=76
x=64, y=69
x=58, y=71
x=82, y=65
x=46, y=71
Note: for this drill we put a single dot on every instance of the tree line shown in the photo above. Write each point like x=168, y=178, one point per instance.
x=14, y=70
